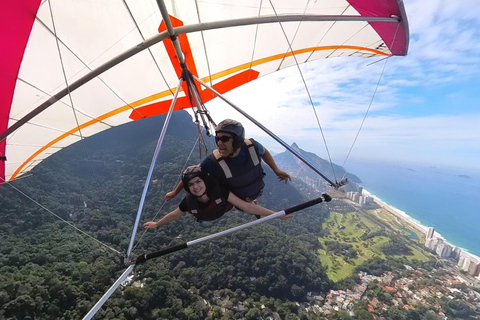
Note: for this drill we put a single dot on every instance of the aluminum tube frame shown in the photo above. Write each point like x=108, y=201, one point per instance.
x=185, y=245
x=181, y=30
x=271, y=134
x=196, y=97
x=107, y=294
x=178, y=49
x=240, y=227
x=171, y=31
x=152, y=165
x=197, y=106
x=406, y=28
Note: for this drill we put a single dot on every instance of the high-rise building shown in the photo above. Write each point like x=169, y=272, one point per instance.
x=466, y=264
x=456, y=252
x=473, y=268
x=461, y=260
x=356, y=196
x=360, y=190
x=439, y=249
x=448, y=251
x=443, y=250
x=429, y=243
x=430, y=232
x=435, y=243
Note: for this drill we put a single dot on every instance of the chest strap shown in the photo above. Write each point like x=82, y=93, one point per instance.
x=224, y=165
x=217, y=202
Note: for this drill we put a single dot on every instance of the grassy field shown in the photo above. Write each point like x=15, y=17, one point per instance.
x=417, y=255
x=397, y=224
x=348, y=229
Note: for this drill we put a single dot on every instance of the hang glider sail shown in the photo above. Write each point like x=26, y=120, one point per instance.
x=70, y=69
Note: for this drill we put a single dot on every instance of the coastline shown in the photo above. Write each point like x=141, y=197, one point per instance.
x=414, y=223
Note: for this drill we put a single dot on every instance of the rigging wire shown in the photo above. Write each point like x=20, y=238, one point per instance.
x=346, y=40
x=86, y=66
x=50, y=96
x=151, y=54
x=294, y=36
x=179, y=178
x=201, y=145
x=81, y=138
x=366, y=114
x=254, y=41
x=40, y=126
x=371, y=101
x=68, y=88
x=204, y=46
x=325, y=34
x=308, y=93
x=58, y=217
x=197, y=104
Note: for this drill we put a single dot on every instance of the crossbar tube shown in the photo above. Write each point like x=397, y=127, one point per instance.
x=185, y=245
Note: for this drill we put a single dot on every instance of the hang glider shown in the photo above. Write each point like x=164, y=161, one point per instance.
x=70, y=69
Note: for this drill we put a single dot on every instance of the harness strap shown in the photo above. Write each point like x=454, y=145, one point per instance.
x=208, y=209
x=217, y=201
x=253, y=153
x=224, y=165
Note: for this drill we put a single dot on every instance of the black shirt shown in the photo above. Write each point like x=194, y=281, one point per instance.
x=183, y=205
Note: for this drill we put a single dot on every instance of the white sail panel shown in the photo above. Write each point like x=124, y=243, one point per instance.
x=89, y=34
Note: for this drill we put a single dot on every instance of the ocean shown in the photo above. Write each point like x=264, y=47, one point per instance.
x=444, y=198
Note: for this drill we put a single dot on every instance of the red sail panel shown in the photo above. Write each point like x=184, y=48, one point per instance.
x=16, y=21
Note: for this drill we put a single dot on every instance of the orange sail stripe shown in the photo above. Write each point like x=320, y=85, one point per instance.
x=69, y=133
x=186, y=50
x=206, y=95
x=168, y=92
x=157, y=108
x=282, y=55
x=235, y=81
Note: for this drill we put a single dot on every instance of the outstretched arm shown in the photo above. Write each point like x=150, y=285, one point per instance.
x=174, y=215
x=172, y=194
x=282, y=175
x=251, y=207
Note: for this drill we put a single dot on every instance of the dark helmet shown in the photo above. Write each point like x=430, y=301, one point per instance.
x=235, y=128
x=193, y=172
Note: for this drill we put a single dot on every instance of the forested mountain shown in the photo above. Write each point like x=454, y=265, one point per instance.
x=49, y=270
x=297, y=168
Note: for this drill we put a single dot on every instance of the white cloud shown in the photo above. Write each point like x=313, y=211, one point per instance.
x=444, y=37
x=444, y=50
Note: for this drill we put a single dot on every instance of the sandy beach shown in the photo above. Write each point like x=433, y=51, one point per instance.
x=412, y=222
x=397, y=213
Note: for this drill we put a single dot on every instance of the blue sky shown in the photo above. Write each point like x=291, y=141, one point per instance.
x=425, y=109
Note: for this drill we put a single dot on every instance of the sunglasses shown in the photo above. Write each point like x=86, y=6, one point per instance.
x=224, y=139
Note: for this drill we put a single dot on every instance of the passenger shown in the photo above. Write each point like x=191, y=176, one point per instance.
x=236, y=163
x=207, y=200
